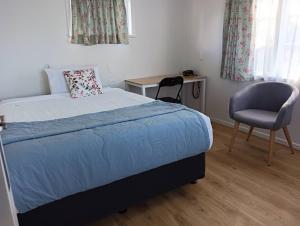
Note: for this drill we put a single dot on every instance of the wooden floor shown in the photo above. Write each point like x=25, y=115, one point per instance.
x=239, y=189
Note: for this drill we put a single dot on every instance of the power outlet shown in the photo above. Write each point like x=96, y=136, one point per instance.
x=109, y=68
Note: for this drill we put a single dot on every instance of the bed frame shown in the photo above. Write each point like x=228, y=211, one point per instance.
x=91, y=205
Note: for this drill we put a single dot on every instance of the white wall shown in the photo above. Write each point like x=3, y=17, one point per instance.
x=34, y=33
x=205, y=52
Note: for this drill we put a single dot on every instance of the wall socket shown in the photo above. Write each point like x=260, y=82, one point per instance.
x=109, y=68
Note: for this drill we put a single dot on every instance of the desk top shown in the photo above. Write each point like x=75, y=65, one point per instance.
x=154, y=80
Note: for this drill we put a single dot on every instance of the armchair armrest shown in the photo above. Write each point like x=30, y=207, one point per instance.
x=241, y=100
x=284, y=116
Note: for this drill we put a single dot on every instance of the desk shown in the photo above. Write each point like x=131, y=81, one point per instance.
x=153, y=81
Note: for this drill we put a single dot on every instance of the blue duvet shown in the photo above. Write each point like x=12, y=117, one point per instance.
x=50, y=160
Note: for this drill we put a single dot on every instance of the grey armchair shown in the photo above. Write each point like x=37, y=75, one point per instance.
x=266, y=105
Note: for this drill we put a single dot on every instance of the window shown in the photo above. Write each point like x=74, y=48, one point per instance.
x=69, y=17
x=129, y=11
x=277, y=40
x=130, y=18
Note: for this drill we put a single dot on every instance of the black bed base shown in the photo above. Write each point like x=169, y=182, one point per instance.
x=91, y=205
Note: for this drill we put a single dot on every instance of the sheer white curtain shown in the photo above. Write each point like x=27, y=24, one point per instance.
x=277, y=40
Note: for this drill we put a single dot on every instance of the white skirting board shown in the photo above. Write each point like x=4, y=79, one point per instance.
x=255, y=132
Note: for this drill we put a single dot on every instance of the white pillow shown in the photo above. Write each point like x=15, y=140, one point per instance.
x=57, y=81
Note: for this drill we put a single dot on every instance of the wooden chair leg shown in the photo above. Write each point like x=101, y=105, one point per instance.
x=271, y=146
x=250, y=133
x=289, y=139
x=235, y=132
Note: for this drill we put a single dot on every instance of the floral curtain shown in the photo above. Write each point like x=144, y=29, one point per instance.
x=99, y=22
x=238, y=42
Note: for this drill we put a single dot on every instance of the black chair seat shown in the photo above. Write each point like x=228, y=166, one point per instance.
x=170, y=100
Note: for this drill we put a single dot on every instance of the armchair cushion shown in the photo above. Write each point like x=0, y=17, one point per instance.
x=257, y=118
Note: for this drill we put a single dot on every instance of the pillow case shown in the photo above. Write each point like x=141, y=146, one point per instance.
x=57, y=81
x=82, y=83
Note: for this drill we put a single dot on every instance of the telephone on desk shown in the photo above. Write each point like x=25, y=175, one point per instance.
x=196, y=93
x=188, y=73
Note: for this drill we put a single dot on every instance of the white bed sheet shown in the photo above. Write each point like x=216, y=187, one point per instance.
x=51, y=107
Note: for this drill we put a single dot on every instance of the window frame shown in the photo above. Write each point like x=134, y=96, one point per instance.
x=130, y=18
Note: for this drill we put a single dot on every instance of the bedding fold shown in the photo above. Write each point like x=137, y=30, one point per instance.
x=17, y=132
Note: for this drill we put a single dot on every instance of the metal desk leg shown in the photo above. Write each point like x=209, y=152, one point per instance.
x=143, y=91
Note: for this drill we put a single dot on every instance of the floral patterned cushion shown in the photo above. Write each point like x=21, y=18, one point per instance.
x=82, y=83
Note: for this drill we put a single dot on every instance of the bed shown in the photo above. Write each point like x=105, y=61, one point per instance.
x=71, y=161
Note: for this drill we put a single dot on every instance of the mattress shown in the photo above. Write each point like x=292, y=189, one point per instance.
x=60, y=146
x=50, y=107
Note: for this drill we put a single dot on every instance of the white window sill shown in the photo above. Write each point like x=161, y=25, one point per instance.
x=132, y=36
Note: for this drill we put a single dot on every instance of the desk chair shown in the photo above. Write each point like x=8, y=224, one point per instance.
x=169, y=82
x=266, y=105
